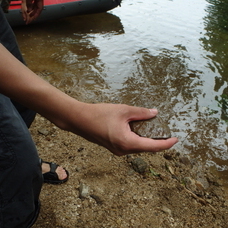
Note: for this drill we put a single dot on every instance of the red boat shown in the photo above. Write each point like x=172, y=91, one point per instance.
x=56, y=9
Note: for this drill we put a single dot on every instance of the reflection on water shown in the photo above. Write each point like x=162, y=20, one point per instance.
x=63, y=52
x=215, y=43
x=166, y=54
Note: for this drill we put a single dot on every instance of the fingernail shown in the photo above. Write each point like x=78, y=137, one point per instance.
x=154, y=111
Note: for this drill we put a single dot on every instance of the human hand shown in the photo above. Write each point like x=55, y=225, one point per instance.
x=108, y=125
x=31, y=9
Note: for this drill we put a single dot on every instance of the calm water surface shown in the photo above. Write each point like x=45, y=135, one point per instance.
x=171, y=55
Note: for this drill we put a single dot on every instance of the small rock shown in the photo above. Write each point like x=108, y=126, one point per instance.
x=185, y=160
x=166, y=210
x=170, y=169
x=83, y=191
x=168, y=156
x=43, y=131
x=199, y=186
x=139, y=165
x=190, y=184
x=212, y=180
x=65, y=143
x=129, y=158
x=80, y=149
x=97, y=199
x=130, y=172
x=78, y=169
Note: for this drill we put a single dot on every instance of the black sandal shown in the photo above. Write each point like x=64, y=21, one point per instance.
x=51, y=177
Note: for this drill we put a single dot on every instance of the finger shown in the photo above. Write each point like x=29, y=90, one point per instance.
x=142, y=113
x=141, y=144
x=34, y=14
x=37, y=9
x=159, y=144
x=28, y=19
x=29, y=8
x=23, y=15
x=24, y=11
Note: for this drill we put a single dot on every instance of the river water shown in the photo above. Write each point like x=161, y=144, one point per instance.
x=166, y=54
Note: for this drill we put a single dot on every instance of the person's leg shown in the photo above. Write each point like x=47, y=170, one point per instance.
x=8, y=39
x=20, y=172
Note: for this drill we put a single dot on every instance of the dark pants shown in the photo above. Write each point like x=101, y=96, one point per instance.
x=20, y=171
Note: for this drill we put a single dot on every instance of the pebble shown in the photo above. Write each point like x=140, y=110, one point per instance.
x=190, y=184
x=97, y=199
x=166, y=210
x=43, y=131
x=194, y=185
x=83, y=191
x=185, y=160
x=129, y=158
x=139, y=165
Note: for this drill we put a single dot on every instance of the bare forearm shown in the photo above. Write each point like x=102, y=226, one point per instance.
x=24, y=86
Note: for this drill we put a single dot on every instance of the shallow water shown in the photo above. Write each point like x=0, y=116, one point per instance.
x=171, y=55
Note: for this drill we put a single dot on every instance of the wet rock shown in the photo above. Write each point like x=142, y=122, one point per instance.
x=83, y=191
x=153, y=128
x=139, y=165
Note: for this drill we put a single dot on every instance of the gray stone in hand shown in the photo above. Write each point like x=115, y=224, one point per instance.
x=153, y=128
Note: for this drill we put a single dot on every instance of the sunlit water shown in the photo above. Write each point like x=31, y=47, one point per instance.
x=171, y=55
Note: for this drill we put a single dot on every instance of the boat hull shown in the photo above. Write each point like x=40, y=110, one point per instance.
x=62, y=9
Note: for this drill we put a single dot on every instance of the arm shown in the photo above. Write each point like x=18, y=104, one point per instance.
x=104, y=124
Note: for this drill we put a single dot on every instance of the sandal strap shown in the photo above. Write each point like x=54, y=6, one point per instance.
x=53, y=167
